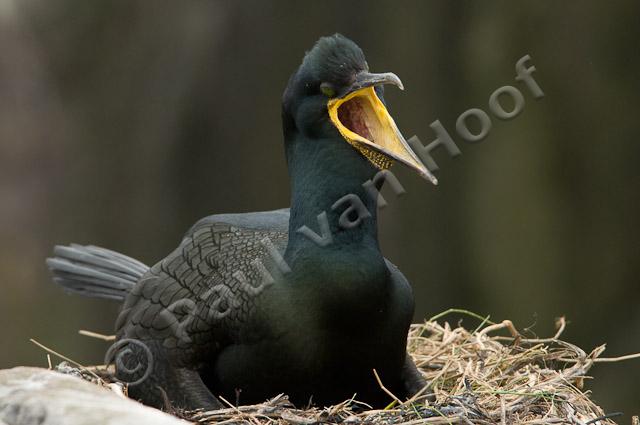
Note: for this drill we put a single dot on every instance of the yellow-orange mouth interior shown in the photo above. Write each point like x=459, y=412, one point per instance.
x=362, y=118
x=364, y=122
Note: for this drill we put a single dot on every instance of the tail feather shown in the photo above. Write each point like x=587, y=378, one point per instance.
x=95, y=272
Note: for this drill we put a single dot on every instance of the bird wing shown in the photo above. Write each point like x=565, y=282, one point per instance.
x=193, y=303
x=197, y=300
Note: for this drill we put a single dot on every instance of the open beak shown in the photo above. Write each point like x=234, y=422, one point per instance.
x=364, y=122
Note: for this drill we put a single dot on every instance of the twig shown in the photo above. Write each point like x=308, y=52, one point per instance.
x=385, y=388
x=55, y=353
x=97, y=335
x=497, y=326
x=607, y=416
x=617, y=359
x=461, y=311
x=229, y=404
x=602, y=359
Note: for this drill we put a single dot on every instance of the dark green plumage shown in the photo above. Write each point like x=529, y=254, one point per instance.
x=331, y=314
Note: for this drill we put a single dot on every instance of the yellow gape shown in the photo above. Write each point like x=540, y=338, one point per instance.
x=364, y=122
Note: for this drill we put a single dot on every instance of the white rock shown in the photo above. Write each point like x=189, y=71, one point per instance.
x=38, y=396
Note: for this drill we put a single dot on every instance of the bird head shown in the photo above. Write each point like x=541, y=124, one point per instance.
x=334, y=91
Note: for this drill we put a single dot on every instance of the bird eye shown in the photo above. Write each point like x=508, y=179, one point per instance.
x=327, y=90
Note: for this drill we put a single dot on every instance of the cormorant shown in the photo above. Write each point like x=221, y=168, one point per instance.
x=300, y=302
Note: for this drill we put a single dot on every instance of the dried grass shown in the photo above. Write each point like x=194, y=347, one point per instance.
x=490, y=375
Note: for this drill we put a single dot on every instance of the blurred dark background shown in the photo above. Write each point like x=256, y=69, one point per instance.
x=123, y=122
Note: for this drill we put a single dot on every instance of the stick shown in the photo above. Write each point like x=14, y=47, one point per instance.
x=97, y=335
x=385, y=388
x=55, y=353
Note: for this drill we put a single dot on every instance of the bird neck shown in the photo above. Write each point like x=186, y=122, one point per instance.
x=327, y=192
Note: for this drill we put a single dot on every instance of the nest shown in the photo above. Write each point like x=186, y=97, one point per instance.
x=489, y=375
